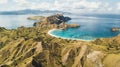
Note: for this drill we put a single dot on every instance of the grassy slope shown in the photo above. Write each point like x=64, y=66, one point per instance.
x=21, y=46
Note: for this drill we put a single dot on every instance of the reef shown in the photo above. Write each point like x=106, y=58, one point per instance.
x=33, y=47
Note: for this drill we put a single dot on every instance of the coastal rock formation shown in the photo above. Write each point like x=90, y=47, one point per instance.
x=115, y=29
x=64, y=26
x=33, y=47
x=55, y=21
x=73, y=25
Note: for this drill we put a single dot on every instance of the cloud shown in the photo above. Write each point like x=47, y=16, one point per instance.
x=85, y=6
x=118, y=6
x=20, y=1
x=3, y=1
x=78, y=6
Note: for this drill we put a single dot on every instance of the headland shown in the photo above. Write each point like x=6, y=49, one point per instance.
x=33, y=47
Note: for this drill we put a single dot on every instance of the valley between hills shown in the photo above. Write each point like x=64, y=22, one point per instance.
x=34, y=47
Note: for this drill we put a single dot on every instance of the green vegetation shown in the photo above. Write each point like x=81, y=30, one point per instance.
x=110, y=45
x=33, y=47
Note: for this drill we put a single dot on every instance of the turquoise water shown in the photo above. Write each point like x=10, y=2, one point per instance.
x=91, y=27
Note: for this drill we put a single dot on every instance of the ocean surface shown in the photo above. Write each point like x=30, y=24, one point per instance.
x=14, y=21
x=91, y=26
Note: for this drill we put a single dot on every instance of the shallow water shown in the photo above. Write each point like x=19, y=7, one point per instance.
x=91, y=27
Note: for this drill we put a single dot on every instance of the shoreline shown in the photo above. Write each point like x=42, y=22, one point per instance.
x=49, y=32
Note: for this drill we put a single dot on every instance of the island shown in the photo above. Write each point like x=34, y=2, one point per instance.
x=55, y=21
x=34, y=47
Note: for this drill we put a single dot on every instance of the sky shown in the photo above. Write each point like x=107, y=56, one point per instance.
x=77, y=6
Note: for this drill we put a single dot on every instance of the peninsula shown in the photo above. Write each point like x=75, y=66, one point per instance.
x=33, y=47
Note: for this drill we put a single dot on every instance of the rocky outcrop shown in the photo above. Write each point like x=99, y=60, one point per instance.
x=64, y=26
x=55, y=21
x=73, y=25
x=115, y=29
x=33, y=47
x=95, y=58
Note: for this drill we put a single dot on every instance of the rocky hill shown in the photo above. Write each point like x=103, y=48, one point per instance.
x=53, y=21
x=33, y=47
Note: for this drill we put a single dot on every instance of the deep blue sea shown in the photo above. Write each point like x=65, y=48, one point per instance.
x=91, y=26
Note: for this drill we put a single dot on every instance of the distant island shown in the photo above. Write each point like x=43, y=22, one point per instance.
x=30, y=11
x=34, y=47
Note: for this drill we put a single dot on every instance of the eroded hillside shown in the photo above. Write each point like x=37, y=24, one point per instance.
x=33, y=47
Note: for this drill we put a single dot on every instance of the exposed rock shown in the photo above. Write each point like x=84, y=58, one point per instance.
x=33, y=63
x=73, y=25
x=33, y=47
x=77, y=60
x=115, y=29
x=96, y=58
x=64, y=26
x=55, y=21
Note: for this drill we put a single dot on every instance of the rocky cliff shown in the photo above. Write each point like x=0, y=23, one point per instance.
x=33, y=47
x=55, y=21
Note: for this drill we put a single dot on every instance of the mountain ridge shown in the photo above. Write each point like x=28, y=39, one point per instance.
x=30, y=11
